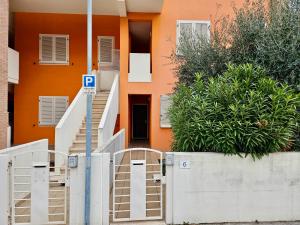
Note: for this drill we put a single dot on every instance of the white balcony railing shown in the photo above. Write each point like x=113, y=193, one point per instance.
x=110, y=113
x=13, y=66
x=140, y=67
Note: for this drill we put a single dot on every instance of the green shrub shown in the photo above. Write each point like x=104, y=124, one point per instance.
x=242, y=111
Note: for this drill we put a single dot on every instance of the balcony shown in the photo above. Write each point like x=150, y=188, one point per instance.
x=13, y=66
x=139, y=67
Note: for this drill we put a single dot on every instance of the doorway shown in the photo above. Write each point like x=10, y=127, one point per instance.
x=140, y=121
x=139, y=106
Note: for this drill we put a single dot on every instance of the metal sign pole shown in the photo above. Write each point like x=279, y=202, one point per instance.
x=87, y=204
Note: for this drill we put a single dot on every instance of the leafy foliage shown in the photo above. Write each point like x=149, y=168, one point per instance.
x=242, y=111
x=257, y=35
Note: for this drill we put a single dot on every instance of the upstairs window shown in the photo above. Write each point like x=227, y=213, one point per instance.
x=106, y=45
x=54, y=49
x=51, y=109
x=193, y=29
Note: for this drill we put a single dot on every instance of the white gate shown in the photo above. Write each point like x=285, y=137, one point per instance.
x=137, y=186
x=39, y=190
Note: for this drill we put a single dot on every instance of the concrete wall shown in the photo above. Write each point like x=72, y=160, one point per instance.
x=3, y=72
x=211, y=188
x=99, y=190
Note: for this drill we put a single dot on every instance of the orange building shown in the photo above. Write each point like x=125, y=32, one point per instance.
x=134, y=38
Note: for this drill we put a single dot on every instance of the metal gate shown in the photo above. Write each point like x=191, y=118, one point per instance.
x=39, y=190
x=137, y=185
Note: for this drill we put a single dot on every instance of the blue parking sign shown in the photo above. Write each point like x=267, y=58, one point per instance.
x=89, y=83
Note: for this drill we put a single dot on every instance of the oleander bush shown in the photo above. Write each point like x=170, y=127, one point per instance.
x=241, y=111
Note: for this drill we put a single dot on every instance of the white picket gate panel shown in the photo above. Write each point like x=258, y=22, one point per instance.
x=39, y=195
x=137, y=185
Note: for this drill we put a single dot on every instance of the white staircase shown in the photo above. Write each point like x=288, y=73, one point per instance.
x=79, y=143
x=70, y=132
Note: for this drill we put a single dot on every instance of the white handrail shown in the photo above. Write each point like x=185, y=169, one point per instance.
x=114, y=144
x=69, y=124
x=110, y=113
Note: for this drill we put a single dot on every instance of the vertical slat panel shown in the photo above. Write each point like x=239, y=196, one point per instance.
x=106, y=46
x=165, y=102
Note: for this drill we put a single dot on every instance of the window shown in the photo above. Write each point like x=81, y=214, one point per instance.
x=165, y=103
x=51, y=109
x=105, y=50
x=193, y=28
x=54, y=49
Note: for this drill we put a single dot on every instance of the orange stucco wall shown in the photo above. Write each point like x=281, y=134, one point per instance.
x=163, y=42
x=51, y=80
x=37, y=80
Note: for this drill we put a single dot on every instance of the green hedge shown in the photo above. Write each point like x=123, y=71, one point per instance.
x=241, y=111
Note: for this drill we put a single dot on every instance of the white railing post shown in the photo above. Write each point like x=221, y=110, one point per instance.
x=110, y=113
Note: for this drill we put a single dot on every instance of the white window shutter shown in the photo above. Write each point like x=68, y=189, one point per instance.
x=60, y=106
x=54, y=49
x=46, y=48
x=51, y=109
x=62, y=49
x=45, y=110
x=165, y=102
x=105, y=49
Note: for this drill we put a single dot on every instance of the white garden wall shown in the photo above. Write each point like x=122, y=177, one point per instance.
x=211, y=188
x=99, y=190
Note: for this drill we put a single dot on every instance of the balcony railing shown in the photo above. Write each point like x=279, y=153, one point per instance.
x=140, y=67
x=13, y=66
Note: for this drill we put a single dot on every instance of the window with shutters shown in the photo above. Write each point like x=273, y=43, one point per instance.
x=106, y=50
x=51, y=109
x=54, y=49
x=165, y=102
x=196, y=29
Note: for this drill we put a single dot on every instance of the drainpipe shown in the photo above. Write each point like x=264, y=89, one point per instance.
x=87, y=204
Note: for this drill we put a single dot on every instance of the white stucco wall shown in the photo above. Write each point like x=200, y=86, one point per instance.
x=217, y=188
x=99, y=190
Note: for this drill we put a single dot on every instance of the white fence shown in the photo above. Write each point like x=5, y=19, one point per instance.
x=68, y=126
x=99, y=190
x=110, y=113
x=39, y=152
x=213, y=188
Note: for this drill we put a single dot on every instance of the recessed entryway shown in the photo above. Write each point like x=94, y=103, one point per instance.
x=139, y=113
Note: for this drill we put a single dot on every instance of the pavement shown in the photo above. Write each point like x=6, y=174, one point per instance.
x=163, y=223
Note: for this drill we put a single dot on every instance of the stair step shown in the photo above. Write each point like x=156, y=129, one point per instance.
x=82, y=137
x=83, y=144
x=79, y=150
x=94, y=124
x=82, y=130
x=99, y=107
x=97, y=111
x=101, y=97
x=100, y=100
x=95, y=119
